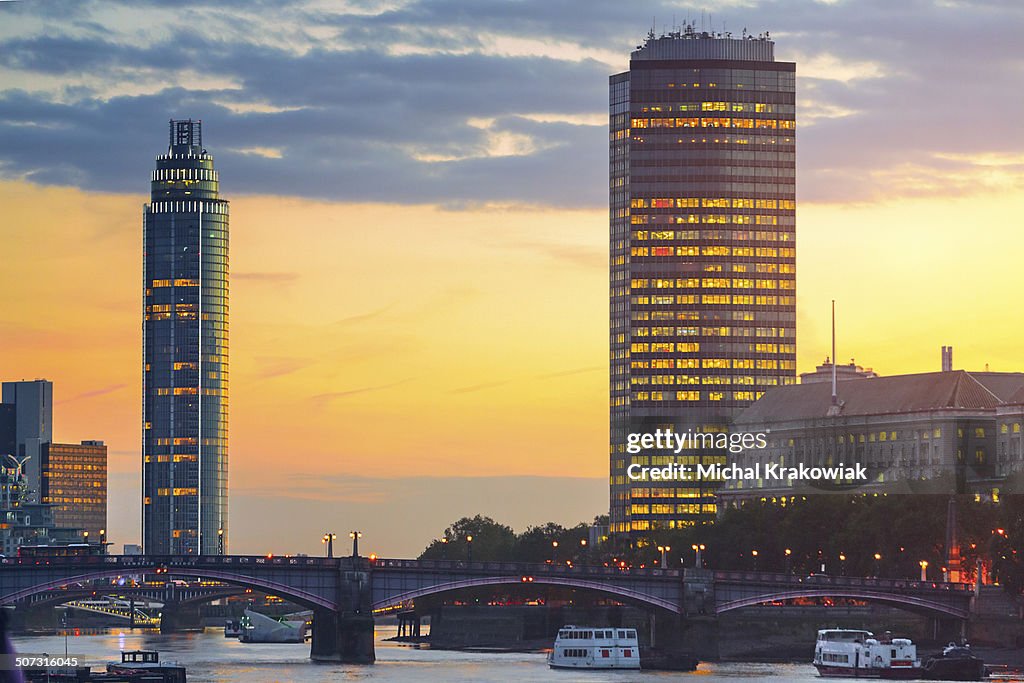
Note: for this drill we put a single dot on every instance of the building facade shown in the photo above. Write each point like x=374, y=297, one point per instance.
x=952, y=432
x=75, y=485
x=702, y=255
x=185, y=351
x=32, y=403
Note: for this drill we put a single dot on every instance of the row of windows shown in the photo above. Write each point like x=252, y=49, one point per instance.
x=712, y=219
x=697, y=395
x=756, y=107
x=710, y=283
x=720, y=363
x=718, y=331
x=709, y=203
x=706, y=235
x=742, y=380
x=737, y=299
x=712, y=122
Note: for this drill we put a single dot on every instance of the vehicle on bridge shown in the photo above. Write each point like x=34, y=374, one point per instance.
x=852, y=653
x=51, y=551
x=582, y=647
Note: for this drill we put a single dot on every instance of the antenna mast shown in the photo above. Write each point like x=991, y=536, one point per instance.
x=835, y=396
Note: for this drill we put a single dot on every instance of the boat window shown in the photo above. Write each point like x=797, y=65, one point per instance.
x=622, y=634
x=631, y=633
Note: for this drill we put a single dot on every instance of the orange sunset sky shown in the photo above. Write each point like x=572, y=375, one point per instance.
x=403, y=353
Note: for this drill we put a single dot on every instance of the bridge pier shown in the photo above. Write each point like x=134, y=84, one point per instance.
x=342, y=637
x=177, y=617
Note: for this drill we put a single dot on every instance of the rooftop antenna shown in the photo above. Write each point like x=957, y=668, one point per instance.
x=835, y=395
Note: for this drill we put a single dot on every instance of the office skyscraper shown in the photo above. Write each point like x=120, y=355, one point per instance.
x=702, y=255
x=185, y=349
x=32, y=403
x=75, y=484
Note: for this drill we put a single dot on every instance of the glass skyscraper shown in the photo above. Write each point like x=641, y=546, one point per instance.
x=185, y=349
x=702, y=256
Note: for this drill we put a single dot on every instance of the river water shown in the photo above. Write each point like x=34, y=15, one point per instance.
x=210, y=656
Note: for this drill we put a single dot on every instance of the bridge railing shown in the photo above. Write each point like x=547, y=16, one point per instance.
x=525, y=568
x=839, y=581
x=143, y=562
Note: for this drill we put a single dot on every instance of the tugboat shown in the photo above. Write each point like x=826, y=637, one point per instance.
x=858, y=654
x=585, y=647
x=956, y=663
x=145, y=665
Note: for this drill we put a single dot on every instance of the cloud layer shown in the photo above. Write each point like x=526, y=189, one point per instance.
x=456, y=102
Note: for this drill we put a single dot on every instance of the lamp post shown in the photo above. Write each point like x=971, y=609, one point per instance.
x=664, y=549
x=842, y=564
x=85, y=534
x=554, y=552
x=924, y=569
x=878, y=565
x=789, y=561
x=753, y=554
x=328, y=539
x=444, y=548
x=697, y=548
x=355, y=536
x=220, y=541
x=583, y=551
x=469, y=548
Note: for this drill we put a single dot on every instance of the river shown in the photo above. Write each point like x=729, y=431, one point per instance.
x=210, y=656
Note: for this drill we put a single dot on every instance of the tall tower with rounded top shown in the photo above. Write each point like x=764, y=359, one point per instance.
x=702, y=197
x=185, y=352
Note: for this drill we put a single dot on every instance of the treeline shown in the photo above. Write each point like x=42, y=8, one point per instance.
x=858, y=535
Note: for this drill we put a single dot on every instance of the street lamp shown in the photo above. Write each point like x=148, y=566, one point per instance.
x=697, y=548
x=86, y=535
x=328, y=539
x=842, y=564
x=355, y=536
x=924, y=569
x=789, y=561
x=753, y=553
x=554, y=552
x=444, y=548
x=220, y=541
x=878, y=565
x=583, y=551
x=664, y=549
x=469, y=548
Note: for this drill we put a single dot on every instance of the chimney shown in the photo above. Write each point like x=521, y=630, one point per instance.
x=947, y=358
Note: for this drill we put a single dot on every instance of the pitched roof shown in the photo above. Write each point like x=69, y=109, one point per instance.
x=895, y=394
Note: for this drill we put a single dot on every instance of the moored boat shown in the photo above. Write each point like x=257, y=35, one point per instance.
x=855, y=653
x=586, y=647
x=956, y=663
x=232, y=628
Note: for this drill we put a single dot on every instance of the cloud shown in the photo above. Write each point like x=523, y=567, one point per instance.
x=268, y=278
x=459, y=103
x=92, y=394
x=483, y=386
x=268, y=367
x=323, y=400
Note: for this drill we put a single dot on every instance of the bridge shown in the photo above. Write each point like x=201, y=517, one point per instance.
x=344, y=592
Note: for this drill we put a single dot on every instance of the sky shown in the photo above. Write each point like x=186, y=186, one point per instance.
x=419, y=230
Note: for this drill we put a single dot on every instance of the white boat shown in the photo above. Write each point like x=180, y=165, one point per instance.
x=232, y=628
x=854, y=653
x=259, y=628
x=585, y=647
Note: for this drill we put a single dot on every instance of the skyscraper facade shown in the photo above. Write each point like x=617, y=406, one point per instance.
x=702, y=256
x=75, y=484
x=32, y=403
x=185, y=351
